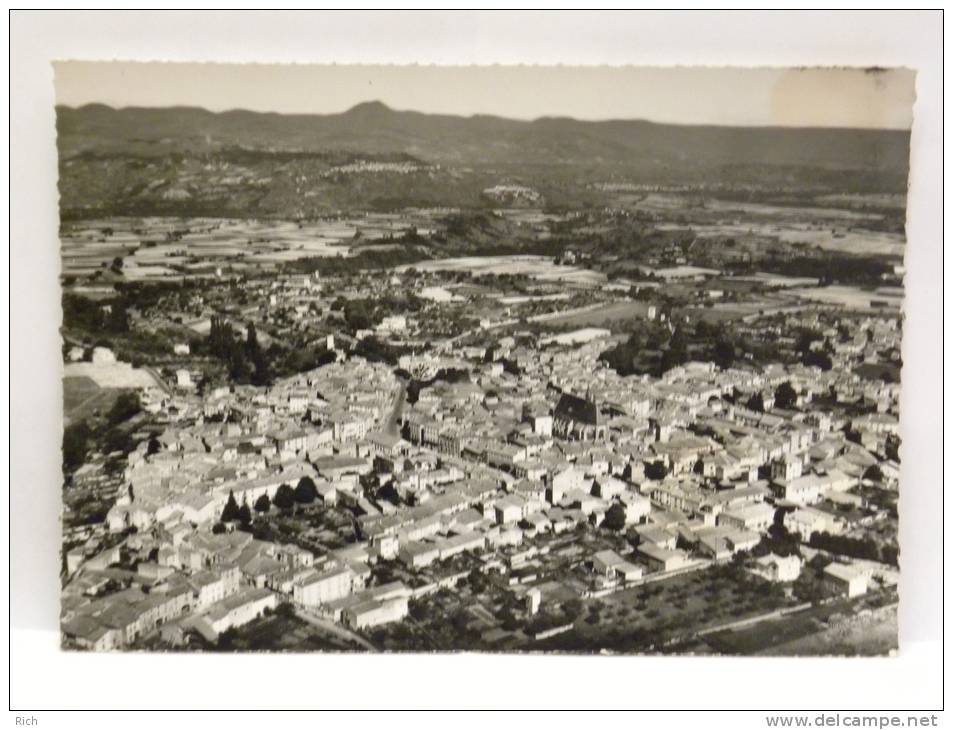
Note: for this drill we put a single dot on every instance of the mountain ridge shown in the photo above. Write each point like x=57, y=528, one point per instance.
x=378, y=106
x=376, y=128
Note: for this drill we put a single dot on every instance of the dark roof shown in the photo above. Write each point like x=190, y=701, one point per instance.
x=580, y=410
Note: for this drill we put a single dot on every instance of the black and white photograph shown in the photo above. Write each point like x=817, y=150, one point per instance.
x=552, y=359
x=390, y=380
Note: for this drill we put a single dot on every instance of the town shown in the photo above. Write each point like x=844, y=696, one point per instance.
x=506, y=452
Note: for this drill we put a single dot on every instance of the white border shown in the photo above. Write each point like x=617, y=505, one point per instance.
x=43, y=677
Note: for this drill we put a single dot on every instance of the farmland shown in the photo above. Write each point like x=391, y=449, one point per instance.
x=647, y=616
x=541, y=268
x=614, y=316
x=164, y=247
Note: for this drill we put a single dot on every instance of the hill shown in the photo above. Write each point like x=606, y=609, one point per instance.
x=439, y=159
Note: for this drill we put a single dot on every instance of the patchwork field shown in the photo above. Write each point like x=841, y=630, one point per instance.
x=610, y=316
x=83, y=398
x=850, y=297
x=161, y=247
x=541, y=268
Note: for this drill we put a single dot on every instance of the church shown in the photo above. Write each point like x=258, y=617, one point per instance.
x=578, y=418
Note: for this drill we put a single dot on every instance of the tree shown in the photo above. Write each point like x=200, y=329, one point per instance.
x=285, y=610
x=238, y=367
x=874, y=473
x=305, y=492
x=785, y=396
x=244, y=514
x=218, y=528
x=813, y=358
x=251, y=342
x=615, y=517
x=76, y=438
x=262, y=504
x=153, y=447
x=124, y=407
x=656, y=470
x=477, y=581
x=118, y=320
x=892, y=447
x=230, y=512
x=723, y=354
x=257, y=356
x=756, y=403
x=509, y=620
x=226, y=640
x=284, y=497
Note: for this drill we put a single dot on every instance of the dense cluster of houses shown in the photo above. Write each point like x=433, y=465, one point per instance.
x=550, y=443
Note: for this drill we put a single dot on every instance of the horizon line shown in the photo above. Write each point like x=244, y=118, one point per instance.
x=480, y=115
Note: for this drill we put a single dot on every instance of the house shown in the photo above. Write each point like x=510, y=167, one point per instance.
x=376, y=612
x=565, y=480
x=238, y=610
x=786, y=469
x=846, y=580
x=776, y=569
x=611, y=565
x=657, y=536
x=803, y=489
x=418, y=554
x=324, y=587
x=608, y=487
x=464, y=542
x=662, y=559
x=636, y=506
x=805, y=521
x=509, y=509
x=212, y=586
x=756, y=516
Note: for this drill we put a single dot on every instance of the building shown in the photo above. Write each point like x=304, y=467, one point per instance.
x=803, y=489
x=805, y=521
x=662, y=559
x=212, y=586
x=776, y=569
x=417, y=554
x=756, y=517
x=376, y=612
x=239, y=609
x=509, y=510
x=610, y=565
x=846, y=580
x=321, y=588
x=577, y=418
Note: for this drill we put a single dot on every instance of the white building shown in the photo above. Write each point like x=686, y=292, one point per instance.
x=777, y=569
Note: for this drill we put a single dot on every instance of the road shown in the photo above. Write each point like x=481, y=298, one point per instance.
x=391, y=422
x=332, y=628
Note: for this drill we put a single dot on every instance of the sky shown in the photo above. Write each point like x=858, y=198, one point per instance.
x=810, y=97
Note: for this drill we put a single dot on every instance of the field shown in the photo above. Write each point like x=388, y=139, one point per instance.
x=78, y=390
x=762, y=636
x=110, y=375
x=846, y=229
x=850, y=297
x=872, y=633
x=83, y=398
x=541, y=268
x=167, y=247
x=647, y=617
x=610, y=316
